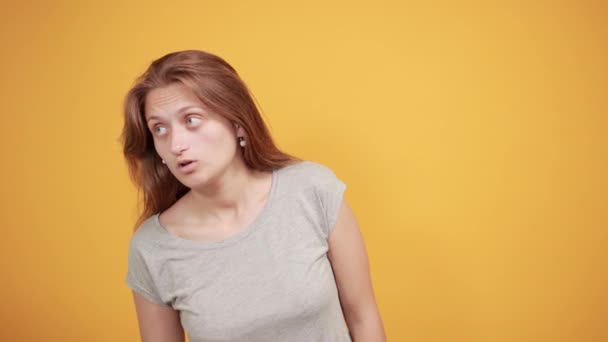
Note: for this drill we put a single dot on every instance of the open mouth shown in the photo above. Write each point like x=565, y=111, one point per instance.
x=185, y=163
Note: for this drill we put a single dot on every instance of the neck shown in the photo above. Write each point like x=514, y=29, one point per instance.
x=228, y=199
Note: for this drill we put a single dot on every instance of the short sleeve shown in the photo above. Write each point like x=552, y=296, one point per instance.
x=330, y=189
x=139, y=277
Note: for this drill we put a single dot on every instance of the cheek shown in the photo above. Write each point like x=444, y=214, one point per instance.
x=216, y=135
x=159, y=147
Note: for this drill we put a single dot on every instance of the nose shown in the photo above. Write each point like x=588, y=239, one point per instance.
x=178, y=149
x=178, y=145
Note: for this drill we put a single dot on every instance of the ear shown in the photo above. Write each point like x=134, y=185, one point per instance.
x=239, y=130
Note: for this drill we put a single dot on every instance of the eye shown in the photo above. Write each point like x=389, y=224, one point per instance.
x=193, y=119
x=156, y=130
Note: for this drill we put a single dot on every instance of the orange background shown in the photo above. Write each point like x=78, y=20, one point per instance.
x=472, y=138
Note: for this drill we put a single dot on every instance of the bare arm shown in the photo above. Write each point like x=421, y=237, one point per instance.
x=350, y=265
x=157, y=323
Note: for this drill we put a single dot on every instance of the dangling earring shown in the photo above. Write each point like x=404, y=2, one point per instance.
x=242, y=142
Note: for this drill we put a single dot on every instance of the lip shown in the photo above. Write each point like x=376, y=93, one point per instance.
x=187, y=168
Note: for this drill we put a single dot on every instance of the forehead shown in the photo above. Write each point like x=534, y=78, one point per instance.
x=166, y=101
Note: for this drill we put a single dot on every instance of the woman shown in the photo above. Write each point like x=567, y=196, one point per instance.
x=238, y=241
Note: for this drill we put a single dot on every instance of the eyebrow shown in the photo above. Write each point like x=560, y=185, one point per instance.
x=183, y=109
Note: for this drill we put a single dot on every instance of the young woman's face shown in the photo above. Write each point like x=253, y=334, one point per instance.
x=183, y=130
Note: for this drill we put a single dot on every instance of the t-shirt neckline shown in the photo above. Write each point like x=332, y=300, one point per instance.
x=232, y=239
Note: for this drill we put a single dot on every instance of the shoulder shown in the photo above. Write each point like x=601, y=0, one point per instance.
x=144, y=237
x=321, y=188
x=309, y=173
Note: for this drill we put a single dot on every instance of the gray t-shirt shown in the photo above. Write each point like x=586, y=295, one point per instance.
x=271, y=281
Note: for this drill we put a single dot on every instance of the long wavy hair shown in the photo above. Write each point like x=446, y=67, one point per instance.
x=217, y=84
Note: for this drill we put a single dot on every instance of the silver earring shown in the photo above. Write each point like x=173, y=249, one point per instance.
x=164, y=162
x=242, y=142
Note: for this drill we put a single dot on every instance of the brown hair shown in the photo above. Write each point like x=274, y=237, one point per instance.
x=217, y=84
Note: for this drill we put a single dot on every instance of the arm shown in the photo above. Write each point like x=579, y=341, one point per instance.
x=157, y=323
x=349, y=261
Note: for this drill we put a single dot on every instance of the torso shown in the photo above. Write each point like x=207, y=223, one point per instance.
x=271, y=282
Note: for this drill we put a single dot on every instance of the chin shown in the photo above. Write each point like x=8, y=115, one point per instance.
x=196, y=180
